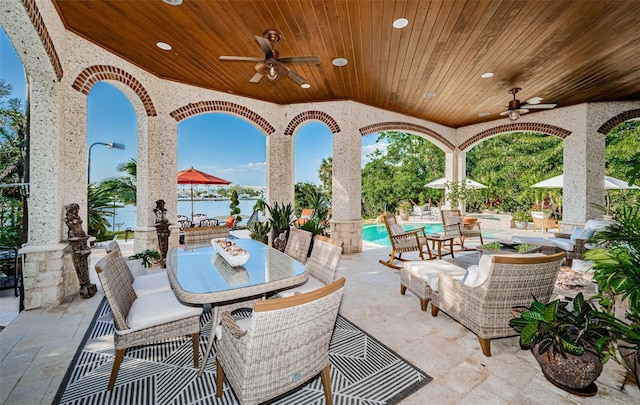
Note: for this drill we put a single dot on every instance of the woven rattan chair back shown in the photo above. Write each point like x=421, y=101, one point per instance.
x=325, y=256
x=115, y=278
x=300, y=327
x=451, y=217
x=204, y=234
x=298, y=244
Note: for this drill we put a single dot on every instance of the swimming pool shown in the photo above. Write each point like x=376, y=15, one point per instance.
x=377, y=233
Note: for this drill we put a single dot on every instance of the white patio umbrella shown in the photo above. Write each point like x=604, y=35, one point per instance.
x=610, y=183
x=442, y=183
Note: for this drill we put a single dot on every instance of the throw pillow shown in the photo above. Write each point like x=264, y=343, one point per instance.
x=396, y=229
x=453, y=220
x=577, y=232
x=470, y=275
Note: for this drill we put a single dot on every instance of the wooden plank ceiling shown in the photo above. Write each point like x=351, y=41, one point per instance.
x=567, y=52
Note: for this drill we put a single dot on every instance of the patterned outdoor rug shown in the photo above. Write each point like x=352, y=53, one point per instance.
x=363, y=371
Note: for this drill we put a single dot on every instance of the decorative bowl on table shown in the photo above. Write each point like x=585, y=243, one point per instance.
x=230, y=252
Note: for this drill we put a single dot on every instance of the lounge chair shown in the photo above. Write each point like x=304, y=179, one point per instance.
x=305, y=216
x=471, y=230
x=404, y=241
x=542, y=221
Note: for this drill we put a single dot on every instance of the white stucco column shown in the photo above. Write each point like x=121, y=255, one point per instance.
x=584, y=165
x=280, y=184
x=455, y=168
x=156, y=176
x=346, y=222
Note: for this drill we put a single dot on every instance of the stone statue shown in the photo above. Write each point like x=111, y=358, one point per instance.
x=163, y=231
x=80, y=251
x=280, y=242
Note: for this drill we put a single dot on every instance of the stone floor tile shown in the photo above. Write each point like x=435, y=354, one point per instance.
x=436, y=394
x=481, y=396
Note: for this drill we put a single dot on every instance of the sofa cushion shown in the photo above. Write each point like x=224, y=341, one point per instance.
x=428, y=270
x=156, y=309
x=534, y=240
x=311, y=284
x=563, y=243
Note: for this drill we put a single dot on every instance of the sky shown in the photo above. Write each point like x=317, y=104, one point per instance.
x=220, y=144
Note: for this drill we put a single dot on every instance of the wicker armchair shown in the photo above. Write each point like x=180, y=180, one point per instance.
x=204, y=234
x=300, y=327
x=511, y=281
x=298, y=244
x=321, y=265
x=136, y=319
x=404, y=241
x=143, y=284
x=542, y=221
x=470, y=230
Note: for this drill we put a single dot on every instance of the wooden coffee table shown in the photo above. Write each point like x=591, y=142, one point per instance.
x=438, y=239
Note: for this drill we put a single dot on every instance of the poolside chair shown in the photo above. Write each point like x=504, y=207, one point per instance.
x=298, y=244
x=305, y=216
x=143, y=320
x=464, y=231
x=321, y=264
x=283, y=345
x=404, y=241
x=481, y=301
x=542, y=221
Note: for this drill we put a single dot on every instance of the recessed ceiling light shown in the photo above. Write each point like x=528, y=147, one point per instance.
x=429, y=94
x=534, y=100
x=305, y=85
x=173, y=2
x=164, y=46
x=484, y=114
x=486, y=75
x=339, y=62
x=400, y=23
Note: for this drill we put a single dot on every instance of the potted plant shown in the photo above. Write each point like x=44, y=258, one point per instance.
x=280, y=219
x=616, y=264
x=148, y=257
x=405, y=209
x=521, y=218
x=260, y=231
x=569, y=343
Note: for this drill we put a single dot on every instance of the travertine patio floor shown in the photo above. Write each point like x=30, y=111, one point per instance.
x=37, y=346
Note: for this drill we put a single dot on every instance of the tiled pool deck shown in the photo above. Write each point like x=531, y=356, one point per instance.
x=37, y=346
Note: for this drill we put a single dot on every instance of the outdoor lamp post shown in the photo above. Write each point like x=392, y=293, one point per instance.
x=110, y=145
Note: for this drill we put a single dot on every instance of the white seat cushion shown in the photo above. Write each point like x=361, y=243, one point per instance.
x=428, y=271
x=243, y=323
x=597, y=224
x=156, y=309
x=151, y=283
x=311, y=284
x=564, y=244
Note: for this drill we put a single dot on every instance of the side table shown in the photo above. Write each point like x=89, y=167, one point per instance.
x=438, y=239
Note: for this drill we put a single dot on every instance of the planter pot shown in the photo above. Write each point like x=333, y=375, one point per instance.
x=404, y=216
x=521, y=225
x=630, y=359
x=575, y=374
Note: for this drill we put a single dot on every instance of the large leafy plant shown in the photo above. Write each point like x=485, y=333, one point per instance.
x=557, y=327
x=281, y=215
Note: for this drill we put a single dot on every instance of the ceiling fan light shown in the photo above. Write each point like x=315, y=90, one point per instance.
x=513, y=115
x=400, y=23
x=305, y=85
x=339, y=62
x=272, y=74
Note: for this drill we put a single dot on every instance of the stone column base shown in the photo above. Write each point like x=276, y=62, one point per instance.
x=145, y=238
x=48, y=274
x=349, y=232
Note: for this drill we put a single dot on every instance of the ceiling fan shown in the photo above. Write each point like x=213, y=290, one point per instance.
x=272, y=65
x=516, y=109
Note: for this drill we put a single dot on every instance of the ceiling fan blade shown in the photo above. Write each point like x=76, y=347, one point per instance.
x=298, y=79
x=539, y=106
x=241, y=58
x=266, y=47
x=300, y=59
x=256, y=78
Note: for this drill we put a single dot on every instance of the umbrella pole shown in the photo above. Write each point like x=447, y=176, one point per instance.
x=192, y=203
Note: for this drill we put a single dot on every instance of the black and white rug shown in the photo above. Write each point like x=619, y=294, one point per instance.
x=363, y=371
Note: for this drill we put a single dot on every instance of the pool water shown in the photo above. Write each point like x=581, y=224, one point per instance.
x=377, y=233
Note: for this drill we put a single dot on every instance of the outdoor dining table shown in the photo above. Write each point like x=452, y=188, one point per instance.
x=199, y=275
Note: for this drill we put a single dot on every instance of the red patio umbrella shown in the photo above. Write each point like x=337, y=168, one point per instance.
x=193, y=176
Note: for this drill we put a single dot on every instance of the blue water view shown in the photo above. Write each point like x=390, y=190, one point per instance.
x=126, y=216
x=377, y=233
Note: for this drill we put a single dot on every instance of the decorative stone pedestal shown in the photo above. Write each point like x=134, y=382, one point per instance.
x=349, y=232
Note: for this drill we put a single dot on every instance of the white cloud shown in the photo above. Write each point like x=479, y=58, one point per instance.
x=368, y=149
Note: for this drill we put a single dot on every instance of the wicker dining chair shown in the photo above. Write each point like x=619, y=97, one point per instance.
x=502, y=282
x=137, y=320
x=404, y=241
x=299, y=327
x=204, y=234
x=144, y=283
x=298, y=244
x=321, y=265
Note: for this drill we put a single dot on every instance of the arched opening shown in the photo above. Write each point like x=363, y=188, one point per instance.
x=622, y=152
x=226, y=146
x=313, y=172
